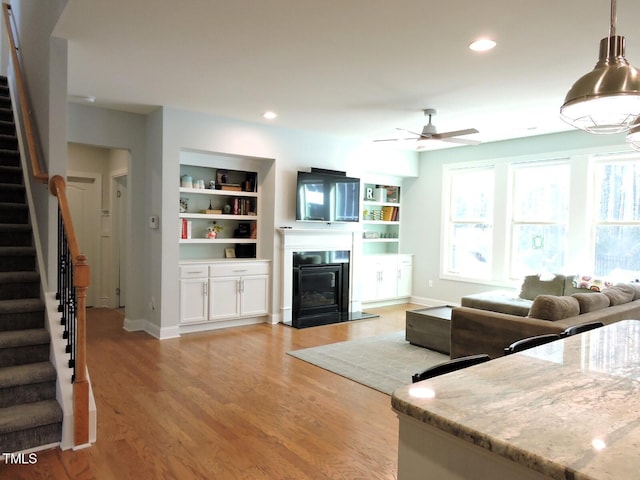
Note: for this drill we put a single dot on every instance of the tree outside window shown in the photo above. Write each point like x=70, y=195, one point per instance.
x=616, y=244
x=540, y=214
x=470, y=230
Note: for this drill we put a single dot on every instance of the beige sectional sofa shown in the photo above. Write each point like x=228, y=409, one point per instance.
x=476, y=331
x=519, y=304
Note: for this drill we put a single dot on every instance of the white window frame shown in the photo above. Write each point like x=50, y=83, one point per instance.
x=514, y=168
x=598, y=161
x=449, y=173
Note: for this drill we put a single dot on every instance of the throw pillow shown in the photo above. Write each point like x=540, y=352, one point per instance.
x=619, y=294
x=533, y=286
x=591, y=302
x=552, y=307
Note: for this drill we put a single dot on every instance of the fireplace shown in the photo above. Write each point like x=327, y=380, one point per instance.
x=320, y=288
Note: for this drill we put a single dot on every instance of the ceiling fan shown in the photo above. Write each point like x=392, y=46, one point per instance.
x=429, y=132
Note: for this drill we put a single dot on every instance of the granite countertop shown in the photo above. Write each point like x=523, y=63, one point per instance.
x=567, y=409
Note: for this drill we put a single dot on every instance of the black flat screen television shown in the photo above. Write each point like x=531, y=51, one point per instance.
x=322, y=196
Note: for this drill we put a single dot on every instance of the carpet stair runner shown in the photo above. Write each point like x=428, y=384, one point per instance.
x=30, y=415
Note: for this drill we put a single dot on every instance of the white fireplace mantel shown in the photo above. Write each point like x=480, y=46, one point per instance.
x=300, y=240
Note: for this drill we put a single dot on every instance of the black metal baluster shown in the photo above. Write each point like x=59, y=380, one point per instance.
x=67, y=296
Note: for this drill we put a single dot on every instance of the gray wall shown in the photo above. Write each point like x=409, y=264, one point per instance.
x=422, y=209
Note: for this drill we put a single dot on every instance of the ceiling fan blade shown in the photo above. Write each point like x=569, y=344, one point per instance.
x=394, y=139
x=461, y=141
x=456, y=133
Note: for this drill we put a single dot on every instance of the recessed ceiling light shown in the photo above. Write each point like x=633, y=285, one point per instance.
x=269, y=115
x=482, y=45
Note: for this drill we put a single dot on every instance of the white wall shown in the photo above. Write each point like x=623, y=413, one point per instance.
x=155, y=143
x=285, y=149
x=422, y=201
x=126, y=131
x=45, y=66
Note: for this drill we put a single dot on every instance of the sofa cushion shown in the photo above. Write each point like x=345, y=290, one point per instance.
x=571, y=286
x=534, y=285
x=498, y=301
x=591, y=302
x=636, y=289
x=619, y=294
x=552, y=307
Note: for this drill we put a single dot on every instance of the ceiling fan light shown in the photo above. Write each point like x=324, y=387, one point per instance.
x=607, y=99
x=633, y=137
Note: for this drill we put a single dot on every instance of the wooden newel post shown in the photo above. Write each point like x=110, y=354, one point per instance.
x=81, y=384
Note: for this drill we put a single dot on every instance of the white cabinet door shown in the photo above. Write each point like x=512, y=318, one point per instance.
x=388, y=283
x=254, y=295
x=194, y=305
x=224, y=298
x=405, y=272
x=369, y=281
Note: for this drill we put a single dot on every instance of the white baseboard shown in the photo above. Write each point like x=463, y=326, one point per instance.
x=144, y=325
x=431, y=302
x=238, y=322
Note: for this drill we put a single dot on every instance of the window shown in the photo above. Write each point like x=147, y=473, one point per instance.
x=616, y=242
x=540, y=214
x=470, y=232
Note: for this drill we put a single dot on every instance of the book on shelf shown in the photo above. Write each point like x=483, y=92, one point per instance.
x=185, y=230
x=242, y=206
x=387, y=213
x=234, y=187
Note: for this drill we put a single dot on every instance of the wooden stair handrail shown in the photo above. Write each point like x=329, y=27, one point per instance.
x=29, y=130
x=81, y=280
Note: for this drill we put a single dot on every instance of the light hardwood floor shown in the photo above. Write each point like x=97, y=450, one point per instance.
x=227, y=404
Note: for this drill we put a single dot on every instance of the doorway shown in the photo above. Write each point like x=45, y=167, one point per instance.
x=83, y=192
x=97, y=189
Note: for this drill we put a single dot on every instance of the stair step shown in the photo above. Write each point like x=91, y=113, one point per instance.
x=27, y=383
x=6, y=114
x=27, y=374
x=23, y=347
x=21, y=314
x=17, y=259
x=24, y=338
x=10, y=174
x=10, y=142
x=15, y=234
x=14, y=213
x=7, y=127
x=30, y=425
x=12, y=193
x=9, y=158
x=15, y=285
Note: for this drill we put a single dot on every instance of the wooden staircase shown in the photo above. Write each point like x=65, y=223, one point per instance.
x=30, y=415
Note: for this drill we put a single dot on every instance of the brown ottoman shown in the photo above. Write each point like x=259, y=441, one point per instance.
x=429, y=328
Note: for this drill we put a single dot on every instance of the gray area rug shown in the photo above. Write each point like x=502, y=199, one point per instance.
x=383, y=363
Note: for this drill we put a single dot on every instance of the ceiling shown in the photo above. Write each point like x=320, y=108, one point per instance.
x=346, y=67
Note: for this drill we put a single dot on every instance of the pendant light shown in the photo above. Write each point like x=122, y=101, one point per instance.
x=607, y=99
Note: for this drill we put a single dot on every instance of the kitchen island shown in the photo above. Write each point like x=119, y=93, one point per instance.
x=569, y=409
